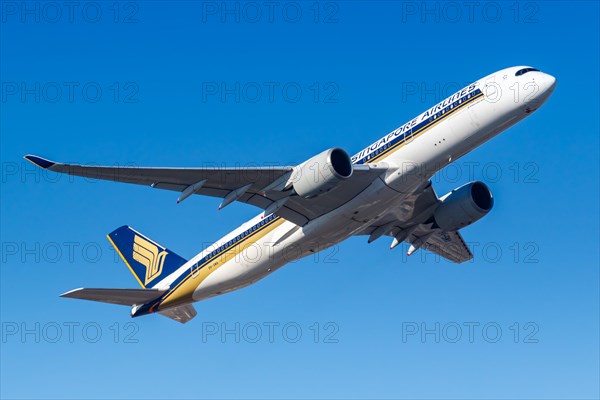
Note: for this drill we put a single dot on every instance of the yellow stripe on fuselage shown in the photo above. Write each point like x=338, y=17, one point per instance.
x=422, y=130
x=182, y=293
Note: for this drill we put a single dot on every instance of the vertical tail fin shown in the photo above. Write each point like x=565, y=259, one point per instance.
x=148, y=261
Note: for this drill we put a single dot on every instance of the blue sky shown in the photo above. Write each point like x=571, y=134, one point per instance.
x=188, y=84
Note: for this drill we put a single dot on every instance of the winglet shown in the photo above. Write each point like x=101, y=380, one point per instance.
x=70, y=292
x=39, y=161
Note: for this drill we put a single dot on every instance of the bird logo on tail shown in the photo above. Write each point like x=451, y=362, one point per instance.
x=147, y=254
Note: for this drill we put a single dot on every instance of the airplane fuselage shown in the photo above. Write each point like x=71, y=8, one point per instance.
x=413, y=153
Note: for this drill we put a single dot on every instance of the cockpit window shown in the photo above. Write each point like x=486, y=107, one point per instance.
x=524, y=71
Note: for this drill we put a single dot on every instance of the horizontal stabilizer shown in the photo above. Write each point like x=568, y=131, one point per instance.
x=180, y=314
x=126, y=297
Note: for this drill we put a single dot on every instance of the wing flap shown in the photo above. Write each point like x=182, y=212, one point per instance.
x=449, y=245
x=125, y=297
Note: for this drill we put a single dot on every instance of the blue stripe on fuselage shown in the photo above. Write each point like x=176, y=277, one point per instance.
x=403, y=133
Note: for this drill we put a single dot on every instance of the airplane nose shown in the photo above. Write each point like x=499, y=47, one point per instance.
x=546, y=84
x=549, y=84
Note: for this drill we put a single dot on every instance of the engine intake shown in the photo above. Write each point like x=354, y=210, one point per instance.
x=464, y=206
x=322, y=173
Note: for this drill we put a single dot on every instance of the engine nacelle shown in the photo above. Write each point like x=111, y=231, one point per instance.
x=322, y=173
x=463, y=206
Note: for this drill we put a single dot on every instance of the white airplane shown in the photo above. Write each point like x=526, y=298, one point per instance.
x=383, y=190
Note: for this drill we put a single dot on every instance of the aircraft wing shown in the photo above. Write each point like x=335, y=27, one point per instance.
x=410, y=221
x=258, y=185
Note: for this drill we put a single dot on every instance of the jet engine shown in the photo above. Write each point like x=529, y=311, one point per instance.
x=322, y=173
x=463, y=206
